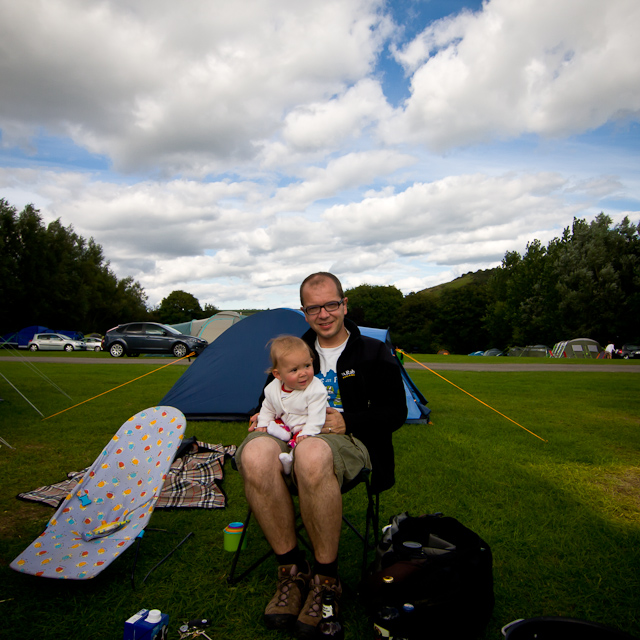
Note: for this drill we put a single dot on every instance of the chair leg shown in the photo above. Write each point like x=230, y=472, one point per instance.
x=372, y=522
x=371, y=530
x=232, y=578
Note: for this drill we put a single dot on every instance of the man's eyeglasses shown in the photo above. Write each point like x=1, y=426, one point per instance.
x=314, y=309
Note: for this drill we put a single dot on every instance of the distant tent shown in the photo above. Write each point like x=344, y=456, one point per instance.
x=216, y=325
x=535, y=351
x=577, y=348
x=21, y=338
x=209, y=328
x=74, y=335
x=225, y=381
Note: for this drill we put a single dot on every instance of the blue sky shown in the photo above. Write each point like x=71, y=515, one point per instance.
x=229, y=149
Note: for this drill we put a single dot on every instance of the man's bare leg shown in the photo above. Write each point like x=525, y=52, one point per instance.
x=267, y=493
x=320, y=497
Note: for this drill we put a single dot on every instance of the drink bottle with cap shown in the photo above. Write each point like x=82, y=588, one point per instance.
x=404, y=629
x=329, y=626
x=387, y=615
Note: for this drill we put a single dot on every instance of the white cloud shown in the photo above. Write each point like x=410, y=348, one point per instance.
x=350, y=171
x=249, y=144
x=452, y=205
x=533, y=66
x=179, y=87
x=326, y=125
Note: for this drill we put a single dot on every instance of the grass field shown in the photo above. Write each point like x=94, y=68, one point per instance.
x=562, y=517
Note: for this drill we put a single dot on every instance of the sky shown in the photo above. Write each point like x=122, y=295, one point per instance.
x=229, y=149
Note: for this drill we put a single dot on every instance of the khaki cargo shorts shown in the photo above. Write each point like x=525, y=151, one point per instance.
x=349, y=454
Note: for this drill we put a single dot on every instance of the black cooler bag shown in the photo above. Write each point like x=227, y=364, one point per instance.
x=440, y=567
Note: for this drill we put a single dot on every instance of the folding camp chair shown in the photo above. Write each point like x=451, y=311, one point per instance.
x=112, y=504
x=371, y=528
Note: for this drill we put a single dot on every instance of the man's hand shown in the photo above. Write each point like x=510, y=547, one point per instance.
x=334, y=422
x=253, y=421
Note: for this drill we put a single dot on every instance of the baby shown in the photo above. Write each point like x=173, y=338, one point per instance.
x=295, y=403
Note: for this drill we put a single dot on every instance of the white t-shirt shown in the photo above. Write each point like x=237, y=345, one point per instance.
x=328, y=372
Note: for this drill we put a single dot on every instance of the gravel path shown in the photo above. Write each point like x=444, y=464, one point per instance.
x=436, y=366
x=508, y=366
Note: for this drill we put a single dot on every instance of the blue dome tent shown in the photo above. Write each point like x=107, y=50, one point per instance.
x=226, y=380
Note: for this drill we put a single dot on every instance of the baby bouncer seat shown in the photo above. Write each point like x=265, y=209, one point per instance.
x=112, y=503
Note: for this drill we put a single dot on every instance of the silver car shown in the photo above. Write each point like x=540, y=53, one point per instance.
x=93, y=344
x=55, y=342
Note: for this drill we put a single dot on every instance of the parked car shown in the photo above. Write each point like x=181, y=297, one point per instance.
x=93, y=344
x=135, y=338
x=627, y=351
x=55, y=342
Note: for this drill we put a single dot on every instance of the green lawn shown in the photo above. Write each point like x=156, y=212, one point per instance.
x=562, y=517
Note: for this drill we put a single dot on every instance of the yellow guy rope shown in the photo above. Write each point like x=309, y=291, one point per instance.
x=480, y=401
x=118, y=387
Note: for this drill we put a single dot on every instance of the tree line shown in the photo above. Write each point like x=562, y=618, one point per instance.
x=585, y=283
x=51, y=276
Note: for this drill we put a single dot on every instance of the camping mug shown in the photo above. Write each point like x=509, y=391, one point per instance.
x=232, y=534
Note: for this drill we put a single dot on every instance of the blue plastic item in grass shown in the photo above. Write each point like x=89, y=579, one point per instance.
x=112, y=503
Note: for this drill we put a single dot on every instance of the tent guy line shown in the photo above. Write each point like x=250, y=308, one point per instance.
x=190, y=355
x=22, y=394
x=471, y=396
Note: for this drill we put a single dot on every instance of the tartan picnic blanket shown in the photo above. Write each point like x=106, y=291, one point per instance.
x=192, y=480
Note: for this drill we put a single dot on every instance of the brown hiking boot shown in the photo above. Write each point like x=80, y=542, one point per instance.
x=284, y=607
x=311, y=612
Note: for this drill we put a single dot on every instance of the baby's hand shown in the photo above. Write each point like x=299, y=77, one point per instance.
x=301, y=438
x=253, y=421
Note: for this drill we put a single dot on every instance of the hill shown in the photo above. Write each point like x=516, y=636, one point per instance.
x=472, y=278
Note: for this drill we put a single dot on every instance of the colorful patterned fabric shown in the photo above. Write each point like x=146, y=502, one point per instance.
x=112, y=503
x=192, y=480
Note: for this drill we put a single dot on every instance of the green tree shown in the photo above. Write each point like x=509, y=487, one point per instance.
x=458, y=326
x=523, y=307
x=584, y=284
x=411, y=329
x=374, y=306
x=51, y=276
x=179, y=306
x=598, y=273
x=209, y=310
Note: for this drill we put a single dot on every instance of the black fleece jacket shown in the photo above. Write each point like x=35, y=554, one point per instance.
x=373, y=398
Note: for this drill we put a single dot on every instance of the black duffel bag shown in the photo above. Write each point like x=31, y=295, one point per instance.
x=441, y=568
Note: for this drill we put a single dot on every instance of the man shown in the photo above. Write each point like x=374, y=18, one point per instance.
x=367, y=403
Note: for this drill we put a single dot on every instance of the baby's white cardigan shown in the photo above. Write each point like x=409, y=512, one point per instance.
x=304, y=411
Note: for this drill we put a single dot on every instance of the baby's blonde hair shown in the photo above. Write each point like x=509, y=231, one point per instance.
x=282, y=345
